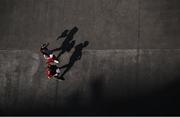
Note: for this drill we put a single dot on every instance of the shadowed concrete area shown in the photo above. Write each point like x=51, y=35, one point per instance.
x=130, y=67
x=103, y=82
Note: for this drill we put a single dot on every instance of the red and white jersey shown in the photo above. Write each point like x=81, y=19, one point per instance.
x=50, y=73
x=51, y=58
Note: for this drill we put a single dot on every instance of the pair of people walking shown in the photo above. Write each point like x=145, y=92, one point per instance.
x=52, y=70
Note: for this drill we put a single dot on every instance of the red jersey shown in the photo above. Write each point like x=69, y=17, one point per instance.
x=52, y=70
x=49, y=73
x=51, y=59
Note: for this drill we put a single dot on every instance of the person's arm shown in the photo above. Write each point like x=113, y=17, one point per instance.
x=56, y=74
x=46, y=45
x=51, y=55
x=45, y=56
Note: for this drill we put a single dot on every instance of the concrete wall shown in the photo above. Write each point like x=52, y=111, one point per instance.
x=130, y=66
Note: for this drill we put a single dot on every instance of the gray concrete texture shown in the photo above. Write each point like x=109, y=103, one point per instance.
x=130, y=67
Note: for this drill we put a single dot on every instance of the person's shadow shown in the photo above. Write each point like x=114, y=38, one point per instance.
x=68, y=43
x=74, y=57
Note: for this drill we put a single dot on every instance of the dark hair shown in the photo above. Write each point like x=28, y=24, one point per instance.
x=44, y=45
x=43, y=52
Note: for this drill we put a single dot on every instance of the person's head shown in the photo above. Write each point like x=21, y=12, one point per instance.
x=43, y=46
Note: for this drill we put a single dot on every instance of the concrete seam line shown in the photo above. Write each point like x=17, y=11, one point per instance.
x=96, y=50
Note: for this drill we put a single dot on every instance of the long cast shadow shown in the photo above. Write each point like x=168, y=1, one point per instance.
x=68, y=43
x=74, y=57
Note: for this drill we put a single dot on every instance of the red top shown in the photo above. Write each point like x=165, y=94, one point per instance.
x=50, y=60
x=49, y=73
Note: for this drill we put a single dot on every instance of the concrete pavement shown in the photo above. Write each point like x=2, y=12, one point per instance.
x=130, y=67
